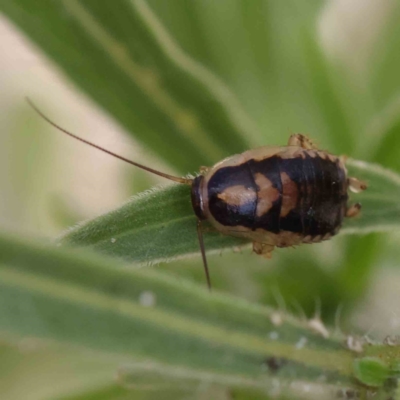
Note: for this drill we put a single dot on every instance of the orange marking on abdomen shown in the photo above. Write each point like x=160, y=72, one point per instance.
x=290, y=194
x=266, y=195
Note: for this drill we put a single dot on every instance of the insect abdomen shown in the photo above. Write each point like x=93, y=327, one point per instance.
x=304, y=194
x=321, y=185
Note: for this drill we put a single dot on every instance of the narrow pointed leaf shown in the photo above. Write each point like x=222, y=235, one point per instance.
x=159, y=225
x=122, y=56
x=85, y=300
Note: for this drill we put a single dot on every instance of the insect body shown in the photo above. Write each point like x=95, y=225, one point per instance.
x=277, y=196
x=273, y=196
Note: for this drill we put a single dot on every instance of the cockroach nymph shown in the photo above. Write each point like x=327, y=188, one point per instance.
x=272, y=196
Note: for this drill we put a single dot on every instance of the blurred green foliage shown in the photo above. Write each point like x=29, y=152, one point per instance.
x=195, y=81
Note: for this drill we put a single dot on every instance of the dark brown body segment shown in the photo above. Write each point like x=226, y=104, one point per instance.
x=320, y=191
x=276, y=196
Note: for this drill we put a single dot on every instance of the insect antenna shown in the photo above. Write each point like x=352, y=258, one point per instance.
x=186, y=181
x=203, y=253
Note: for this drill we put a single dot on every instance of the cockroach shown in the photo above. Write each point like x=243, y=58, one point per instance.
x=273, y=196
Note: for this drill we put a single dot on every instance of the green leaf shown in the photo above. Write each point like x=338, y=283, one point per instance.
x=50, y=370
x=81, y=299
x=110, y=392
x=380, y=206
x=386, y=152
x=371, y=371
x=269, y=54
x=384, y=79
x=20, y=186
x=122, y=56
x=159, y=225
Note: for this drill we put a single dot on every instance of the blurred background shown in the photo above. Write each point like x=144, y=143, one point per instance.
x=329, y=69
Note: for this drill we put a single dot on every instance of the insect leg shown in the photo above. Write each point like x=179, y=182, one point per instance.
x=356, y=186
x=353, y=210
x=203, y=253
x=302, y=141
x=263, y=249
